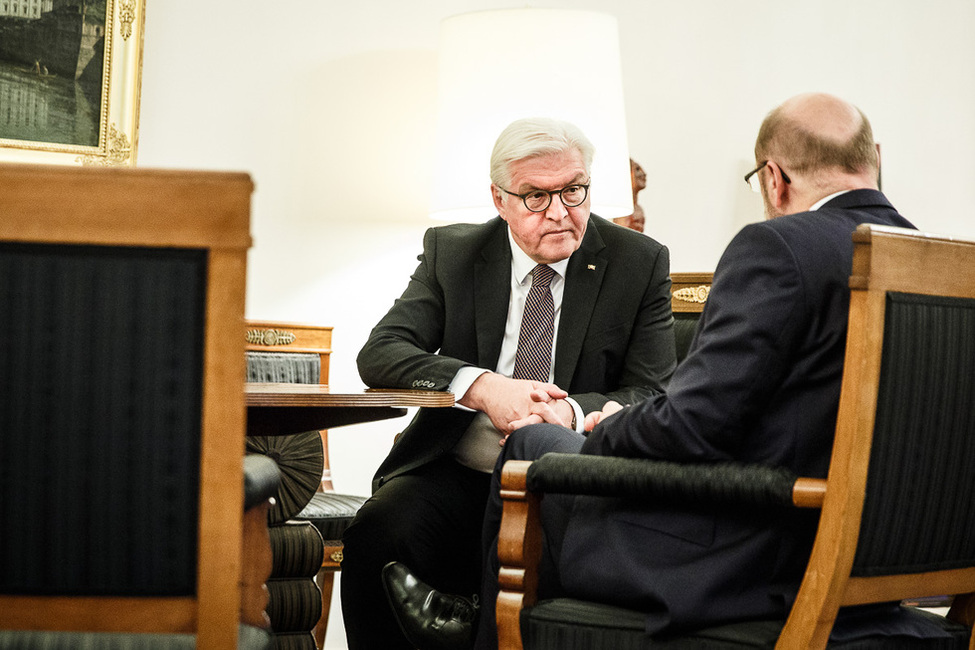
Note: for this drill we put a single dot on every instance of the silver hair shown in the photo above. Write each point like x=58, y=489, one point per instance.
x=532, y=137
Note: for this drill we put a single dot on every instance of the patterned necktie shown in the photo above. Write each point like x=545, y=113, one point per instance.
x=533, y=360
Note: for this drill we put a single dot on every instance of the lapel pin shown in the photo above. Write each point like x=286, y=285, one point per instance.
x=591, y=267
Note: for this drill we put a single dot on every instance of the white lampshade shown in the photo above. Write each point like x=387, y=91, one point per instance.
x=499, y=66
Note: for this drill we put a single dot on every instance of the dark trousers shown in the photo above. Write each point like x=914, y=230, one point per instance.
x=430, y=519
x=527, y=443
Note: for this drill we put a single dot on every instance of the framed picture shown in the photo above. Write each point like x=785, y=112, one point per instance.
x=70, y=78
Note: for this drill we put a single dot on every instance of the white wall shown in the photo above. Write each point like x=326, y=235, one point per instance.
x=329, y=105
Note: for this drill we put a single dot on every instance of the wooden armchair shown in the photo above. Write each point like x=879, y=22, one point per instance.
x=296, y=353
x=688, y=295
x=121, y=407
x=896, y=520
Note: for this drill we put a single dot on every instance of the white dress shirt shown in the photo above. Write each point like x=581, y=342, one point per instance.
x=826, y=199
x=479, y=448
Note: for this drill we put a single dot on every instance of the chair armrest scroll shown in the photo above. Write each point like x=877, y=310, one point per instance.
x=261, y=479
x=809, y=492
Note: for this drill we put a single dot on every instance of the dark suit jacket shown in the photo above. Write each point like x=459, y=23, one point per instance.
x=760, y=384
x=615, y=338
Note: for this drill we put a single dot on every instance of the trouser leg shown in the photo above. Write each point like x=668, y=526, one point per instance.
x=430, y=520
x=527, y=443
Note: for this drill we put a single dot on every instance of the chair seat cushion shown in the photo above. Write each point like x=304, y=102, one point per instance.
x=566, y=623
x=331, y=513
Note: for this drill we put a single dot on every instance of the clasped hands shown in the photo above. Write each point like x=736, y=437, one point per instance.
x=514, y=403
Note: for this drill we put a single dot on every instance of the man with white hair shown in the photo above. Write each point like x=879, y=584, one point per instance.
x=597, y=329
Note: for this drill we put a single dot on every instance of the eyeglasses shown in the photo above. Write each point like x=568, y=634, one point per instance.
x=752, y=179
x=539, y=200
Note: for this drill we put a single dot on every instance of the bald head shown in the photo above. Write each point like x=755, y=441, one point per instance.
x=829, y=116
x=818, y=134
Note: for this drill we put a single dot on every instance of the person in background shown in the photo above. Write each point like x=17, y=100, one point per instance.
x=597, y=329
x=638, y=178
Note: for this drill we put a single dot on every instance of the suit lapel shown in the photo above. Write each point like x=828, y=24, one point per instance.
x=583, y=279
x=492, y=290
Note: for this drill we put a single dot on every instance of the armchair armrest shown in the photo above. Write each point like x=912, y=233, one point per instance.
x=522, y=482
x=261, y=479
x=726, y=484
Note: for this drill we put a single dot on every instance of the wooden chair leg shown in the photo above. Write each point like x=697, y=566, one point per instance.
x=257, y=568
x=325, y=579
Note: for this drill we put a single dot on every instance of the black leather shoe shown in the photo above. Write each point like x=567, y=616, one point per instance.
x=430, y=620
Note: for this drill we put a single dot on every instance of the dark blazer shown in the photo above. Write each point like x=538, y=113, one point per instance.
x=615, y=338
x=760, y=384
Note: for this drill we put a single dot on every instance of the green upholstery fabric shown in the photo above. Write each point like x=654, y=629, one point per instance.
x=301, y=460
x=924, y=441
x=101, y=383
x=331, y=513
x=249, y=638
x=283, y=367
x=685, y=324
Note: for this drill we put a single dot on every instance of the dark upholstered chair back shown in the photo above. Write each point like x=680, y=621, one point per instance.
x=121, y=404
x=922, y=463
x=100, y=427
x=898, y=520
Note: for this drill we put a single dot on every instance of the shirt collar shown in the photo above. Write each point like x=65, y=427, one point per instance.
x=522, y=265
x=826, y=199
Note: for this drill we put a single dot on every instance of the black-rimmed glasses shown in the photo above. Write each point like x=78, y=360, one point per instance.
x=539, y=200
x=752, y=179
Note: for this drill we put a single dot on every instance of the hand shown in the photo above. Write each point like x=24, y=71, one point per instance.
x=546, y=409
x=596, y=417
x=507, y=400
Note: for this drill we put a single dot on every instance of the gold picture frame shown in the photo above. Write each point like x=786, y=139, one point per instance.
x=56, y=110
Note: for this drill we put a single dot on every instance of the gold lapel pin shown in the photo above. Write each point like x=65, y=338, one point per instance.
x=592, y=267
